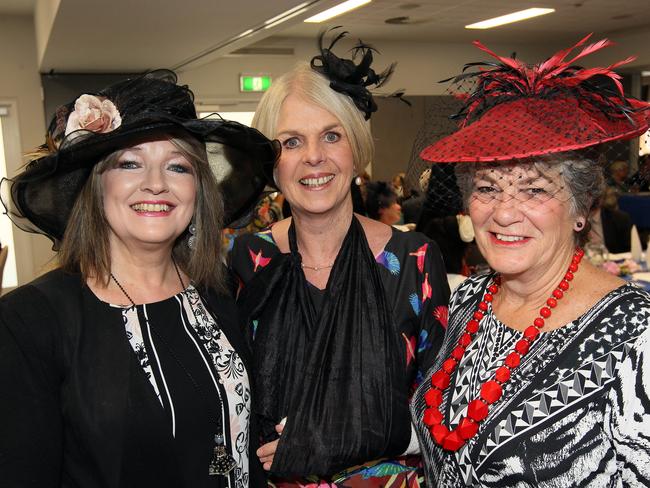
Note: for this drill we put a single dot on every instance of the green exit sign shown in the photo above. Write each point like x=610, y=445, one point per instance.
x=254, y=83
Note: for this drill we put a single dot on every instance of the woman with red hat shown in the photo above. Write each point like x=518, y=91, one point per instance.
x=126, y=366
x=541, y=380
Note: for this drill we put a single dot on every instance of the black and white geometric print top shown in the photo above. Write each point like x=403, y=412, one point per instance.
x=191, y=364
x=576, y=412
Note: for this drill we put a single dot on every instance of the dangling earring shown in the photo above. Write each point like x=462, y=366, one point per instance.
x=191, y=242
x=358, y=180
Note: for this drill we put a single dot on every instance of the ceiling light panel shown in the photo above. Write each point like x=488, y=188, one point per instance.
x=510, y=18
x=339, y=9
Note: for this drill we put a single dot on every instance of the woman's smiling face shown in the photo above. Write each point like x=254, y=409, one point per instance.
x=522, y=217
x=316, y=167
x=149, y=194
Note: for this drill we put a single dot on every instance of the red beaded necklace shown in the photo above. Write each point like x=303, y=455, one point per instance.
x=491, y=391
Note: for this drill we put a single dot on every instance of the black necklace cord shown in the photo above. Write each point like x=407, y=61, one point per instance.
x=222, y=462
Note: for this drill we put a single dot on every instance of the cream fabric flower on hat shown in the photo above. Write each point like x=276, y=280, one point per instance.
x=93, y=114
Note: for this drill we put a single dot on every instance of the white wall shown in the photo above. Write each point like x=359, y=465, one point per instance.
x=20, y=82
x=420, y=65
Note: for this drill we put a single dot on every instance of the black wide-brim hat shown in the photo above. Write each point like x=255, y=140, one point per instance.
x=149, y=106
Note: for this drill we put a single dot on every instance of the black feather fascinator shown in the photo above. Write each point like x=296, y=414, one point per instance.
x=348, y=77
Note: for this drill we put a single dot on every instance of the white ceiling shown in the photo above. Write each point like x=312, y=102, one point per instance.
x=444, y=20
x=134, y=35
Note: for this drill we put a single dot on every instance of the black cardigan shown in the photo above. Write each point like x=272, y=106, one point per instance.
x=76, y=409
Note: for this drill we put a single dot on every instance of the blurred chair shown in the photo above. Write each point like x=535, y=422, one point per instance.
x=3, y=259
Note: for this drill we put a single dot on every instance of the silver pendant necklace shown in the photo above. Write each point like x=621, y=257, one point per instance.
x=222, y=462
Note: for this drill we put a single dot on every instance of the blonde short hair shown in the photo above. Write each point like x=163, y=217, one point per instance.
x=302, y=80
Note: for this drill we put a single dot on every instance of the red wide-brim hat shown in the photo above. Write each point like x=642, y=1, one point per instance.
x=518, y=111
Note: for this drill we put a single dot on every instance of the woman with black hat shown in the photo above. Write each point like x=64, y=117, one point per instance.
x=542, y=378
x=343, y=310
x=125, y=367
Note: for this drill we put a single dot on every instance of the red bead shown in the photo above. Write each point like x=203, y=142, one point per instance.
x=477, y=410
x=551, y=302
x=491, y=391
x=478, y=315
x=538, y=322
x=449, y=366
x=458, y=352
x=440, y=380
x=502, y=374
x=433, y=397
x=472, y=326
x=488, y=297
x=467, y=428
x=439, y=432
x=432, y=416
x=512, y=360
x=545, y=312
x=453, y=441
x=576, y=259
x=580, y=252
x=522, y=346
x=483, y=306
x=493, y=289
x=465, y=340
x=564, y=285
x=568, y=276
x=558, y=294
x=531, y=333
x=573, y=267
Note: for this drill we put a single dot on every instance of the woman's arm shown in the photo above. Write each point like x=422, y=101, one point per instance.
x=434, y=294
x=31, y=449
x=630, y=415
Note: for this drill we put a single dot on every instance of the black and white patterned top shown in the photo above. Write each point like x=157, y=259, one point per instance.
x=576, y=412
x=178, y=343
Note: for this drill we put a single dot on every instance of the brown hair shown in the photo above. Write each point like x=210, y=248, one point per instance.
x=85, y=246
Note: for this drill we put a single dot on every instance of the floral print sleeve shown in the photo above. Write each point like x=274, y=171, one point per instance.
x=433, y=317
x=416, y=284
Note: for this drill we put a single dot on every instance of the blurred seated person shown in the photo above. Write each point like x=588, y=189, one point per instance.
x=617, y=174
x=445, y=232
x=616, y=223
x=412, y=206
x=381, y=203
x=398, y=185
x=640, y=181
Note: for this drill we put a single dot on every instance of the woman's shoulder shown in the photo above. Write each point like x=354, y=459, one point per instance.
x=628, y=302
x=252, y=252
x=43, y=310
x=52, y=286
x=247, y=246
x=412, y=246
x=410, y=239
x=470, y=288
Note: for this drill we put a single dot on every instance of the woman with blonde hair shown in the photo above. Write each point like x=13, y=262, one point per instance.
x=343, y=311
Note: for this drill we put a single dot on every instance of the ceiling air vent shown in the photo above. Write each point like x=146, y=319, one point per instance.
x=406, y=20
